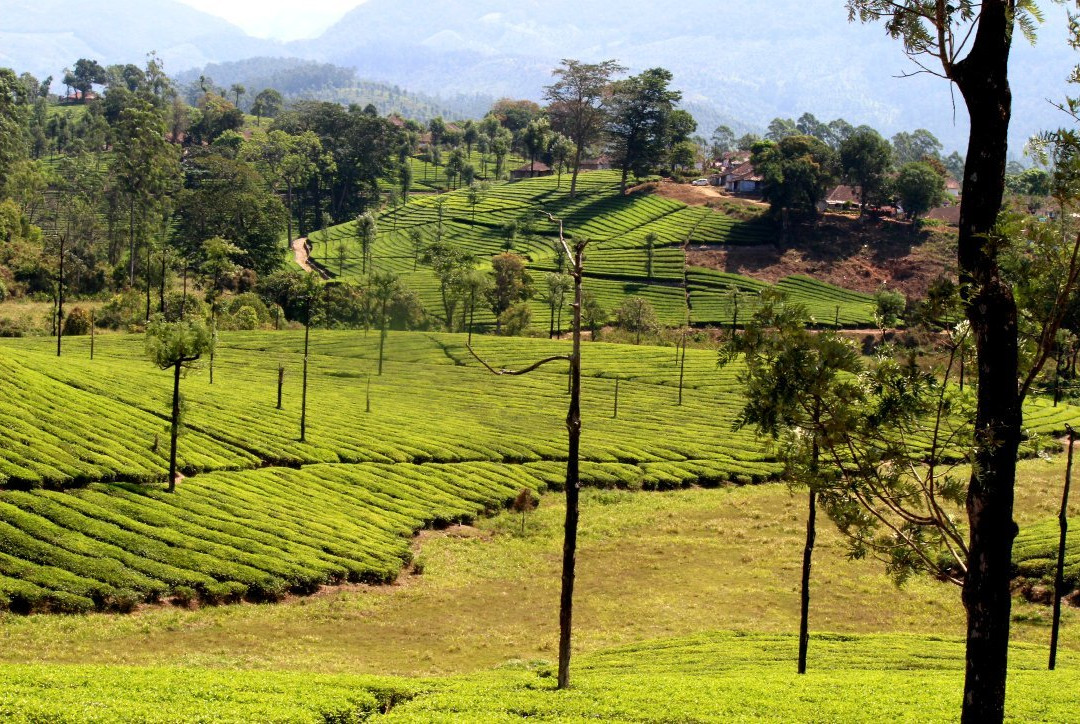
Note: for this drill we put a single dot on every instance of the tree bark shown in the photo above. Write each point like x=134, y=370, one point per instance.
x=573, y=485
x=982, y=78
x=60, y=301
x=808, y=552
x=1059, y=577
x=303, y=394
x=174, y=431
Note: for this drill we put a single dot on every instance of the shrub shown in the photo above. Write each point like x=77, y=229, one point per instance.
x=233, y=305
x=516, y=319
x=77, y=322
x=246, y=318
x=194, y=308
x=3, y=290
x=123, y=311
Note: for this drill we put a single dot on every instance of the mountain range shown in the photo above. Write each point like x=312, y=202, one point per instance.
x=742, y=62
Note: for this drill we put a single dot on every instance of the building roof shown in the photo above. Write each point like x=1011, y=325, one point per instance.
x=948, y=214
x=745, y=172
x=538, y=167
x=843, y=195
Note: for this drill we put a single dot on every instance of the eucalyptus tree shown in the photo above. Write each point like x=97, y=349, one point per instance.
x=367, y=231
x=865, y=162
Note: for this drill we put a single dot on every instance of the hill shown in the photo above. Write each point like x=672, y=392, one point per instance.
x=298, y=79
x=621, y=263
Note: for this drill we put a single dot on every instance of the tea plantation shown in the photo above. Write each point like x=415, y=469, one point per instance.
x=617, y=262
x=708, y=677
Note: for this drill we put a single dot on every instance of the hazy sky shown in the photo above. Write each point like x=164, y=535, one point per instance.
x=281, y=19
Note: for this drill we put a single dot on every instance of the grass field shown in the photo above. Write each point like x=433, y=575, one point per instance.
x=617, y=263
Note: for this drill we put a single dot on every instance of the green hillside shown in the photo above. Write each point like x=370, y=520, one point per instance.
x=617, y=262
x=80, y=530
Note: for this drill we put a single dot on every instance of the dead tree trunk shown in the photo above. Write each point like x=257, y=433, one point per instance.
x=573, y=483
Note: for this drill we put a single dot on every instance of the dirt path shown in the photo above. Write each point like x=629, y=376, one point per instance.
x=300, y=253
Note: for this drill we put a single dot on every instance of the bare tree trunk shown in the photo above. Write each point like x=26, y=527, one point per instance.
x=983, y=80
x=808, y=552
x=382, y=334
x=303, y=394
x=161, y=292
x=174, y=431
x=280, y=383
x=60, y=300
x=573, y=484
x=93, y=327
x=1059, y=577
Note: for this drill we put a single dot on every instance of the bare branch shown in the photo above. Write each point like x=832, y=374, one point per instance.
x=527, y=370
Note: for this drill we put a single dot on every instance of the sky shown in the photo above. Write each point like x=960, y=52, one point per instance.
x=280, y=19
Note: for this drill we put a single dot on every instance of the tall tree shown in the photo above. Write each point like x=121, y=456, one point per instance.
x=268, y=103
x=919, y=188
x=797, y=171
x=915, y=146
x=640, y=109
x=865, y=161
x=797, y=381
x=969, y=43
x=723, y=141
x=576, y=104
x=450, y=265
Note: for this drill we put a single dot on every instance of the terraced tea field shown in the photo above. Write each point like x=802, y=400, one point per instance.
x=262, y=514
x=444, y=442
x=617, y=262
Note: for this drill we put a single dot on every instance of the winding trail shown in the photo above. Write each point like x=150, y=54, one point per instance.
x=300, y=253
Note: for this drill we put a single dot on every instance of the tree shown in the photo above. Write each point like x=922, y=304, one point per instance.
x=535, y=139
x=228, y=198
x=639, y=112
x=284, y=158
x=178, y=345
x=86, y=75
x=576, y=104
x=723, y=141
x=650, y=249
x=510, y=284
x=797, y=171
x=267, y=103
x=919, y=188
x=636, y=315
x=12, y=118
x=980, y=70
x=145, y=165
x=450, y=265
x=865, y=160
x=558, y=287
x=915, y=146
x=386, y=289
x=781, y=128
x=573, y=480
x=237, y=90
x=593, y=314
x=747, y=141
x=799, y=385
x=367, y=231
x=501, y=148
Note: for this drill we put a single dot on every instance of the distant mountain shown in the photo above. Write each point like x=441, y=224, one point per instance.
x=735, y=60
x=45, y=36
x=743, y=62
x=311, y=80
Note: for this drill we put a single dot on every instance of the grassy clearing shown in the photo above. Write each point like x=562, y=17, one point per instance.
x=650, y=566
